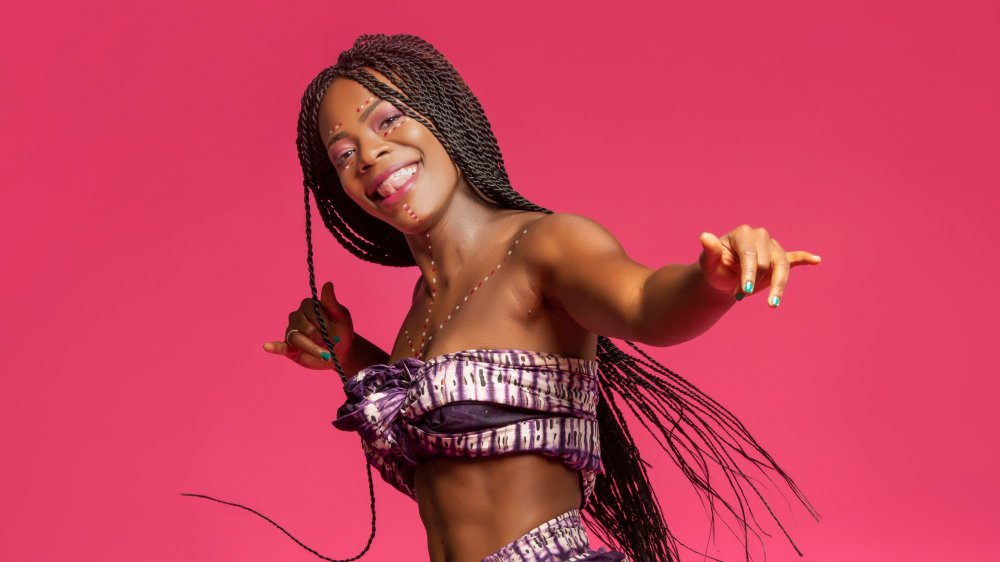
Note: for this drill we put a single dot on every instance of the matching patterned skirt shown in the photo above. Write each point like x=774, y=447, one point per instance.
x=560, y=539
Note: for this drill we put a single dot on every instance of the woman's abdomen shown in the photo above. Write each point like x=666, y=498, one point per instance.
x=473, y=506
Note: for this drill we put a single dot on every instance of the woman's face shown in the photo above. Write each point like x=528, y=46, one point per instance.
x=389, y=164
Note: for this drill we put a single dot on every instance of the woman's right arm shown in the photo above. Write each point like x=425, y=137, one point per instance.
x=363, y=354
x=376, y=429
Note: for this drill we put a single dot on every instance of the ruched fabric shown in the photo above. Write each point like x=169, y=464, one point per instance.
x=475, y=403
x=560, y=539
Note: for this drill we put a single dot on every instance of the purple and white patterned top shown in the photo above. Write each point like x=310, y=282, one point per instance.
x=475, y=403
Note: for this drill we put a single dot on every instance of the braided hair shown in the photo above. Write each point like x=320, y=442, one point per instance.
x=695, y=430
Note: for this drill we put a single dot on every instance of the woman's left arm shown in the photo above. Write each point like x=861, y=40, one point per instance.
x=585, y=270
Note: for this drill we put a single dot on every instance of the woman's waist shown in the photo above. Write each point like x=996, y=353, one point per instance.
x=493, y=498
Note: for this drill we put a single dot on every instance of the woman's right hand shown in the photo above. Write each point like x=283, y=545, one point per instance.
x=306, y=346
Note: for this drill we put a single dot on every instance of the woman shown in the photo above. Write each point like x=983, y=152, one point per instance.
x=495, y=411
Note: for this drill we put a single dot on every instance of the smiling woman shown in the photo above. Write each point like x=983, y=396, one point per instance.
x=356, y=124
x=501, y=415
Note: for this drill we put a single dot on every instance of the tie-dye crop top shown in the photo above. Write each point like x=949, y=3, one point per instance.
x=475, y=403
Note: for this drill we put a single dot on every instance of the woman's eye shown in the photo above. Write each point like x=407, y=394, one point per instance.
x=391, y=119
x=339, y=160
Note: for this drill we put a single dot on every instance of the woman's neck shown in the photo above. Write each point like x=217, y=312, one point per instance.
x=462, y=232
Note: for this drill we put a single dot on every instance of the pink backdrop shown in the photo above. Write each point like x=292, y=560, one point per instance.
x=154, y=239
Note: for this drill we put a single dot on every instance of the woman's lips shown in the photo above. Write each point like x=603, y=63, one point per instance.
x=402, y=191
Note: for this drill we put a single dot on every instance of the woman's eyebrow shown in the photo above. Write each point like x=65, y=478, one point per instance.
x=361, y=118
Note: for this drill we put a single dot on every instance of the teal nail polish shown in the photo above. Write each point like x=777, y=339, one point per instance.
x=775, y=300
x=326, y=356
x=336, y=339
x=748, y=287
x=739, y=296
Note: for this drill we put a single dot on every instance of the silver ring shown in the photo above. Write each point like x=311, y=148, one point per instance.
x=290, y=332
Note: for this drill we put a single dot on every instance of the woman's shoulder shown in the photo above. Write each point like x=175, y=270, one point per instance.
x=556, y=236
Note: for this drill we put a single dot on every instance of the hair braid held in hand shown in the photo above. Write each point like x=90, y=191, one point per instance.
x=694, y=430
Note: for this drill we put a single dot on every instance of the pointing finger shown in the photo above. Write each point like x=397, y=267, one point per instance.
x=801, y=257
x=276, y=347
x=300, y=341
x=296, y=355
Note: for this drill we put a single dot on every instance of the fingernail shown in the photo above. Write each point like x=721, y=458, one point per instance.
x=269, y=346
x=336, y=339
x=739, y=296
x=326, y=356
x=748, y=287
x=775, y=301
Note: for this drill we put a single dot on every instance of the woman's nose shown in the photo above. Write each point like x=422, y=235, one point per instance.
x=369, y=153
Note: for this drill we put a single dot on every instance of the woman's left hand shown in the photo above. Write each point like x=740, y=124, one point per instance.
x=748, y=259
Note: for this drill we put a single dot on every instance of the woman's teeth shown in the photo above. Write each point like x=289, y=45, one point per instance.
x=396, y=180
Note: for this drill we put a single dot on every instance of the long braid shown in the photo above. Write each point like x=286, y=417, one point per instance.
x=694, y=430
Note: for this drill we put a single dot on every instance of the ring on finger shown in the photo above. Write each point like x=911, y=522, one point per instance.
x=290, y=332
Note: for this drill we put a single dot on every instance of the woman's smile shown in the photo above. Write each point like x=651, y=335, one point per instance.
x=397, y=185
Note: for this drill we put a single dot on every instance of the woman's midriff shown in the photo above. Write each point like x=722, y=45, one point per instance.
x=472, y=507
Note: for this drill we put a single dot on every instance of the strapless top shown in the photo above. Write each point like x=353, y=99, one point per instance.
x=475, y=403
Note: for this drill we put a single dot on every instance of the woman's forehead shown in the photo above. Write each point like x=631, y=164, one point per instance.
x=343, y=93
x=345, y=97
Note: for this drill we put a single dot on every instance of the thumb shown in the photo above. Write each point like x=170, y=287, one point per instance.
x=712, y=248
x=329, y=301
x=326, y=297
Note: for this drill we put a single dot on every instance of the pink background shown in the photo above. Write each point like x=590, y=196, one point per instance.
x=154, y=239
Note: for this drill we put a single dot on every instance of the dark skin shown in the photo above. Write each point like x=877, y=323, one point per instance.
x=567, y=280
